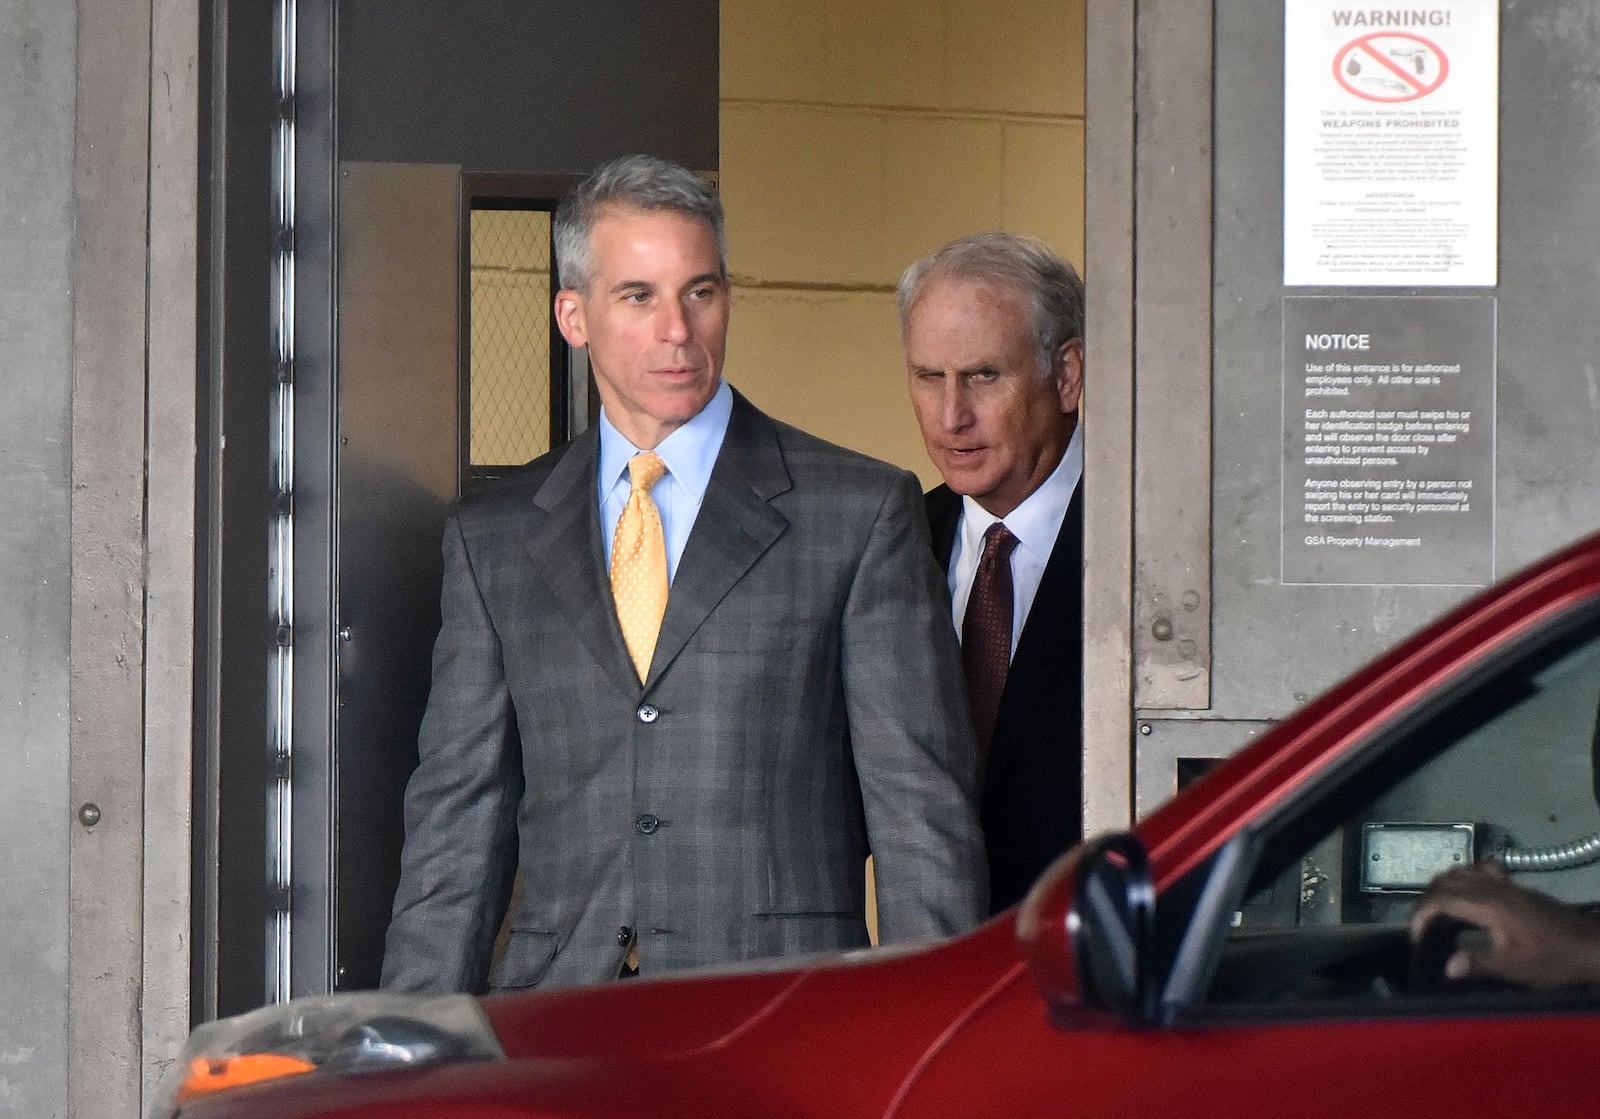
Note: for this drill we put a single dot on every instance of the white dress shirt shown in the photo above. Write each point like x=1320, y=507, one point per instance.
x=1035, y=523
x=689, y=452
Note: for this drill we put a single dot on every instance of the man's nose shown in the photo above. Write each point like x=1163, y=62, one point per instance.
x=955, y=411
x=674, y=322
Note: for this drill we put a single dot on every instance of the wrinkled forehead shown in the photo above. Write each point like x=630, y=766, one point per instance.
x=981, y=312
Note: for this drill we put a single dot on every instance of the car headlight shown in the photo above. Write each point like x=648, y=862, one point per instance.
x=356, y=1032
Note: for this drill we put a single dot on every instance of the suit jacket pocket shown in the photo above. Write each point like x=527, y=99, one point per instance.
x=783, y=934
x=524, y=960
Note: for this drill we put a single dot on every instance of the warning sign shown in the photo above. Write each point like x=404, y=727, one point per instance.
x=1390, y=144
x=1391, y=67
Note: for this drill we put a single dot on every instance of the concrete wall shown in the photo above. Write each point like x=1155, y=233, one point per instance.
x=97, y=566
x=37, y=76
x=858, y=135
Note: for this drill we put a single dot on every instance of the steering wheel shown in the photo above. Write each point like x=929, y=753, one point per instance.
x=1439, y=941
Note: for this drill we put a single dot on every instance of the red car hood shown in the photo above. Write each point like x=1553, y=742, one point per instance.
x=921, y=990
x=839, y=1036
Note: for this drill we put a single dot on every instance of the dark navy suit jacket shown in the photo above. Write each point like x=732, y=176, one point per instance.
x=1032, y=807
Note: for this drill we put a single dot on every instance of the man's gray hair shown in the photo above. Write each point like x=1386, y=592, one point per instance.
x=1052, y=286
x=629, y=182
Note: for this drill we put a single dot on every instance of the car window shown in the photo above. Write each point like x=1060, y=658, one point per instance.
x=1501, y=766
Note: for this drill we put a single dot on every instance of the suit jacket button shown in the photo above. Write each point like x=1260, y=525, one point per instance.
x=648, y=713
x=624, y=935
x=647, y=824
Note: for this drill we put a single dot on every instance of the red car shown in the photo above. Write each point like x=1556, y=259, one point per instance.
x=1242, y=952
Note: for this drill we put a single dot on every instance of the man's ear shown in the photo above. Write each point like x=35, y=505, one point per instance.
x=570, y=318
x=1069, y=375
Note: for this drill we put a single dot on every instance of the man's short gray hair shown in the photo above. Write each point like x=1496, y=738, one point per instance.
x=629, y=182
x=1052, y=286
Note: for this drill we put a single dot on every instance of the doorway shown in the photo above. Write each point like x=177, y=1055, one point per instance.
x=399, y=135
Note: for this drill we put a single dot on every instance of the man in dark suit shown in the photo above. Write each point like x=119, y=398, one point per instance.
x=693, y=667
x=993, y=327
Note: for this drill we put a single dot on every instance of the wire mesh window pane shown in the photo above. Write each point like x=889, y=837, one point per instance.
x=510, y=363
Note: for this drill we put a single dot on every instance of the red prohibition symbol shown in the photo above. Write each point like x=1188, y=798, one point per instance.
x=1390, y=66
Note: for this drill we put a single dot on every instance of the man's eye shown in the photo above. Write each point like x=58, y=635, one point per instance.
x=983, y=375
x=635, y=297
x=702, y=294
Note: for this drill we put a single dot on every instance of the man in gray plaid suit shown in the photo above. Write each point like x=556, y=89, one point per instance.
x=801, y=706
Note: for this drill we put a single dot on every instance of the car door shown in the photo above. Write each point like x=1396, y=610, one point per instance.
x=1311, y=999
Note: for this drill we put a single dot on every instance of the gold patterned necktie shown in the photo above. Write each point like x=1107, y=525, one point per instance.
x=639, y=563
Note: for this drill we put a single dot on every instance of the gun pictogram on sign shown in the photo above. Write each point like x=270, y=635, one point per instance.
x=1391, y=67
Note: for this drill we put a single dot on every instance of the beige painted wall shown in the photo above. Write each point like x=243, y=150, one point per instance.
x=858, y=135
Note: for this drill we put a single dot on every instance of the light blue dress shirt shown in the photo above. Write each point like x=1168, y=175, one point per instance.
x=689, y=452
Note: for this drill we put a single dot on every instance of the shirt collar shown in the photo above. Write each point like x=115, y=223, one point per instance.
x=689, y=452
x=1037, y=521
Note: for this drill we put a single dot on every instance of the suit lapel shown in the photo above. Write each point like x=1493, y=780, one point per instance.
x=734, y=527
x=566, y=548
x=1052, y=625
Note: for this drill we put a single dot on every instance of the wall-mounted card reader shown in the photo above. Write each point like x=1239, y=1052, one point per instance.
x=1404, y=857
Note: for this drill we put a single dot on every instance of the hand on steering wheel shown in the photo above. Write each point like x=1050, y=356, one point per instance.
x=1527, y=938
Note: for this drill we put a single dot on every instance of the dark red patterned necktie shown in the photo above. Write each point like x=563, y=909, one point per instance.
x=986, y=631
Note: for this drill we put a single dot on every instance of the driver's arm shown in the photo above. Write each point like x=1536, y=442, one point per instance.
x=1532, y=939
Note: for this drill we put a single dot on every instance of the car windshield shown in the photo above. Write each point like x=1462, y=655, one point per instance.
x=1501, y=766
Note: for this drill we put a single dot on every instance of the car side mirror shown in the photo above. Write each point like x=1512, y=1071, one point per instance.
x=1112, y=925
x=1088, y=929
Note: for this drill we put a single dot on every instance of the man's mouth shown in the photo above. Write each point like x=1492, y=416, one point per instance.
x=676, y=371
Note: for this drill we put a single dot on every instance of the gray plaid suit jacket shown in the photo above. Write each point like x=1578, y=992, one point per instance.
x=804, y=706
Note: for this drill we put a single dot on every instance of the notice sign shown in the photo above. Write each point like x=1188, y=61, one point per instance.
x=1390, y=143
x=1388, y=440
